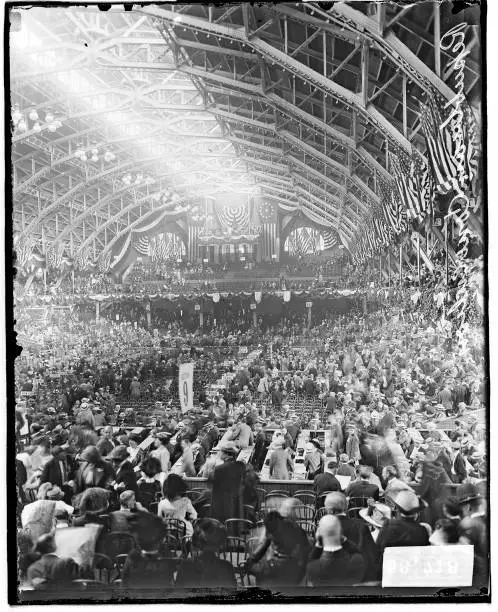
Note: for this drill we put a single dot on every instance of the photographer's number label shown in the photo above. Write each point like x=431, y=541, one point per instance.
x=427, y=566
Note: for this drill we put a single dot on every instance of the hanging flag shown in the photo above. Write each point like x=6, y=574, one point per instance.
x=413, y=180
x=392, y=208
x=452, y=145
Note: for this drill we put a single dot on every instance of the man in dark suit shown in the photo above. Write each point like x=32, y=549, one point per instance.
x=357, y=532
x=404, y=530
x=362, y=487
x=58, y=470
x=228, y=485
x=458, y=472
x=125, y=479
x=326, y=482
x=339, y=563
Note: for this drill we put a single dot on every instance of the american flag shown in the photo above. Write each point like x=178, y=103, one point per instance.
x=413, y=180
x=329, y=239
x=24, y=250
x=449, y=172
x=392, y=207
x=142, y=245
x=234, y=217
x=193, y=242
x=266, y=212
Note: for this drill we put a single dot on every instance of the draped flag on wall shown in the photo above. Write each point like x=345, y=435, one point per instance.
x=193, y=241
x=234, y=216
x=304, y=241
x=267, y=217
x=167, y=246
x=413, y=180
x=454, y=160
x=142, y=245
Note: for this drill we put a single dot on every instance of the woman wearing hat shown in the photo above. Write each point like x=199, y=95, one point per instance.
x=376, y=515
x=93, y=471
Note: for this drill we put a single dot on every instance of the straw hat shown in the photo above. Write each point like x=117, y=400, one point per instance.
x=380, y=514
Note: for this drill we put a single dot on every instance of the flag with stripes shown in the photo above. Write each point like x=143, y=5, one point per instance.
x=231, y=216
x=193, y=242
x=24, y=250
x=269, y=239
x=142, y=245
x=454, y=162
x=329, y=239
x=392, y=207
x=413, y=181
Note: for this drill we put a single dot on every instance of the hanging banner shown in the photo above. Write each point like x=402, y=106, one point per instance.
x=257, y=296
x=186, y=386
x=287, y=296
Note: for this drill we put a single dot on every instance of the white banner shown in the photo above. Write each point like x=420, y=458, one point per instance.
x=186, y=386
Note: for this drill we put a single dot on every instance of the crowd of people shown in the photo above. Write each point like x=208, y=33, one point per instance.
x=102, y=442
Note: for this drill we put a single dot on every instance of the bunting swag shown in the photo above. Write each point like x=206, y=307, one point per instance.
x=453, y=154
x=413, y=180
x=121, y=254
x=234, y=217
x=329, y=239
x=142, y=245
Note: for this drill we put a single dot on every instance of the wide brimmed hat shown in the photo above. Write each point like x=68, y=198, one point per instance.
x=408, y=502
x=380, y=513
x=229, y=448
x=467, y=492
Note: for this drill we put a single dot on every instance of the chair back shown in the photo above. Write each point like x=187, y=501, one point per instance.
x=102, y=568
x=118, y=543
x=354, y=512
x=358, y=502
x=238, y=527
x=307, y=498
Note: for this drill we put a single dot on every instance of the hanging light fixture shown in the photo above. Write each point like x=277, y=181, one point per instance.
x=22, y=125
x=49, y=118
x=83, y=157
x=95, y=158
x=37, y=128
x=58, y=123
x=33, y=115
x=52, y=127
